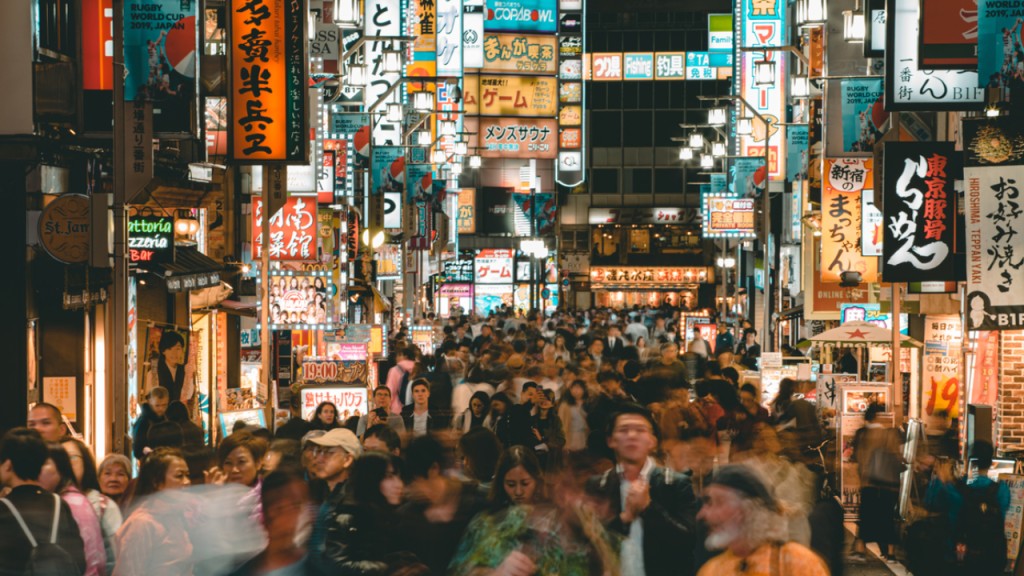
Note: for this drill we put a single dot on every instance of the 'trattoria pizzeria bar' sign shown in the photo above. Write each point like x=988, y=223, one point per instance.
x=644, y=277
x=151, y=239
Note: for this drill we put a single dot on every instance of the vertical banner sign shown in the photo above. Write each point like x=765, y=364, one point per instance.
x=796, y=153
x=949, y=34
x=940, y=379
x=909, y=87
x=292, y=230
x=841, y=220
x=383, y=18
x=473, y=33
x=871, y=229
x=1000, y=26
x=863, y=115
x=920, y=208
x=449, y=37
x=762, y=24
x=995, y=247
x=424, y=28
x=985, y=383
x=570, y=169
x=814, y=149
x=98, y=44
x=388, y=165
x=132, y=372
x=268, y=82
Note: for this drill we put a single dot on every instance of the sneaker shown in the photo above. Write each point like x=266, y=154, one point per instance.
x=856, y=558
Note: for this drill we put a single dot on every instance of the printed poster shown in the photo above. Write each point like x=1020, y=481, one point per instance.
x=985, y=384
x=999, y=38
x=940, y=379
x=863, y=115
x=845, y=181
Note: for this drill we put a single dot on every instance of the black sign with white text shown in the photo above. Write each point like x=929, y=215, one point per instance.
x=151, y=239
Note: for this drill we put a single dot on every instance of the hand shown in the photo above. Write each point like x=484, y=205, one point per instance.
x=372, y=419
x=537, y=434
x=214, y=476
x=638, y=498
x=516, y=564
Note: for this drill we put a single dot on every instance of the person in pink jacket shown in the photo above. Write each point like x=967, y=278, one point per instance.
x=401, y=373
x=154, y=538
x=58, y=476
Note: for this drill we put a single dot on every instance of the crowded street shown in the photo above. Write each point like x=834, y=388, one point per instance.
x=512, y=288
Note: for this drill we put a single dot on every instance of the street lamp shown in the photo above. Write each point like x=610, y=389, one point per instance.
x=716, y=117
x=357, y=75
x=718, y=149
x=394, y=112
x=696, y=140
x=764, y=73
x=686, y=153
x=745, y=126
x=727, y=262
x=392, y=61
x=423, y=138
x=853, y=26
x=346, y=13
x=447, y=128
x=707, y=161
x=475, y=162
x=438, y=156
x=423, y=101
x=456, y=169
x=800, y=87
x=461, y=148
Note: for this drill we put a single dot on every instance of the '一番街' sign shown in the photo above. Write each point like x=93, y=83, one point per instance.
x=995, y=249
x=919, y=209
x=151, y=239
x=268, y=81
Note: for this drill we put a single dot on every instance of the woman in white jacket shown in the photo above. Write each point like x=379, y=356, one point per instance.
x=476, y=416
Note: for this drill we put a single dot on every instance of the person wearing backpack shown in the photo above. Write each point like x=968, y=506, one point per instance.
x=399, y=377
x=877, y=451
x=976, y=509
x=38, y=534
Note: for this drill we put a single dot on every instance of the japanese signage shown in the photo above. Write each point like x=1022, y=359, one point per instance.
x=763, y=24
x=606, y=66
x=298, y=300
x=382, y=18
x=570, y=47
x=949, y=34
x=388, y=165
x=521, y=16
x=863, y=115
x=871, y=226
x=514, y=137
x=796, y=153
x=458, y=271
x=466, y=217
x=473, y=33
x=150, y=239
x=601, y=277
x=292, y=230
x=520, y=53
x=940, y=378
x=64, y=228
x=720, y=32
x=493, y=266
x=62, y=391
x=726, y=216
x=845, y=180
x=827, y=298
x=570, y=92
x=985, y=386
x=389, y=262
x=746, y=176
x=642, y=215
x=570, y=170
x=267, y=95
x=907, y=86
x=670, y=66
x=920, y=208
x=326, y=44
x=698, y=66
x=874, y=29
x=638, y=66
x=347, y=399
x=511, y=95
x=449, y=37
x=995, y=248
x=998, y=39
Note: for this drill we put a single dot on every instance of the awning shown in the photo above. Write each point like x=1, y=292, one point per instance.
x=381, y=303
x=191, y=270
x=237, y=308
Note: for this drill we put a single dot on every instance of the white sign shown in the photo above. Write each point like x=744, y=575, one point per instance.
x=449, y=37
x=907, y=87
x=995, y=276
x=496, y=269
x=393, y=210
x=300, y=180
x=473, y=33
x=325, y=44
x=61, y=392
x=570, y=161
x=565, y=5
x=383, y=18
x=348, y=399
x=871, y=225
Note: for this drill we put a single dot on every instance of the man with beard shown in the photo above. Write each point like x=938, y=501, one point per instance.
x=744, y=520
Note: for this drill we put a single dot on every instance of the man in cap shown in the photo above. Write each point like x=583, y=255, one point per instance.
x=334, y=452
x=744, y=519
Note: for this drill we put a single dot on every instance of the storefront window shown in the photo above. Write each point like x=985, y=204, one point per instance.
x=640, y=241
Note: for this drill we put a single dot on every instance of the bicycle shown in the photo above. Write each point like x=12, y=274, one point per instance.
x=826, y=490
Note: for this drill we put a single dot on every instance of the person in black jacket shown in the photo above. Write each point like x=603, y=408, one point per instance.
x=152, y=412
x=652, y=507
x=296, y=427
x=22, y=455
x=417, y=416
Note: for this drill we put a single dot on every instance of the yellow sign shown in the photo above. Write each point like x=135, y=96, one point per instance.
x=844, y=182
x=520, y=53
x=467, y=211
x=653, y=277
x=486, y=95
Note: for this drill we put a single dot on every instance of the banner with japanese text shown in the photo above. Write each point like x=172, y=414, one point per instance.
x=489, y=95
x=844, y=182
x=762, y=23
x=940, y=378
x=292, y=230
x=529, y=54
x=514, y=137
x=388, y=169
x=995, y=247
x=267, y=94
x=383, y=19
x=985, y=382
x=919, y=211
x=863, y=115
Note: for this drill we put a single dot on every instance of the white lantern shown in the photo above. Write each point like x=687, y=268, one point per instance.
x=718, y=149
x=745, y=126
x=461, y=148
x=423, y=101
x=438, y=157
x=686, y=153
x=717, y=116
x=764, y=73
x=707, y=161
x=357, y=75
x=392, y=61
x=800, y=88
x=853, y=26
x=696, y=140
x=475, y=162
x=423, y=138
x=394, y=112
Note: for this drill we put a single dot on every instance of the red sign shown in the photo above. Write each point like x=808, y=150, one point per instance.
x=347, y=399
x=98, y=44
x=986, y=369
x=292, y=230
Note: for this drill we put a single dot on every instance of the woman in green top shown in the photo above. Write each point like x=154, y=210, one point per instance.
x=523, y=534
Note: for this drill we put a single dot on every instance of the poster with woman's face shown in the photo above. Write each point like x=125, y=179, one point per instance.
x=164, y=345
x=298, y=300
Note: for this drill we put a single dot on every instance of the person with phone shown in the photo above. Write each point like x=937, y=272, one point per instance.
x=380, y=414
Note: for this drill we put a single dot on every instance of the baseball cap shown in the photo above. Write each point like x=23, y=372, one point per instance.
x=340, y=438
x=311, y=435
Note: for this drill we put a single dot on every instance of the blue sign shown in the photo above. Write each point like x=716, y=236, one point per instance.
x=742, y=174
x=796, y=153
x=721, y=59
x=863, y=114
x=999, y=41
x=638, y=66
x=718, y=183
x=698, y=66
x=159, y=49
x=522, y=16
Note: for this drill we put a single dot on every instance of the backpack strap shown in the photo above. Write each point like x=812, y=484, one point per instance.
x=776, y=559
x=21, y=522
x=56, y=519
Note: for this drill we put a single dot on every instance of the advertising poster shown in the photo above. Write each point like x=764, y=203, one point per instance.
x=746, y=177
x=298, y=300
x=727, y=216
x=541, y=208
x=388, y=165
x=796, y=152
x=985, y=383
x=467, y=211
x=61, y=391
x=493, y=266
x=845, y=180
x=1000, y=30
x=132, y=372
x=419, y=179
x=488, y=95
x=940, y=379
x=292, y=230
x=523, y=53
x=949, y=34
x=341, y=372
x=252, y=418
x=827, y=298
x=514, y=137
x=216, y=126
x=995, y=275
x=354, y=126
x=488, y=298
x=871, y=226
x=815, y=146
x=521, y=16
x=920, y=208
x=169, y=362
x=389, y=262
x=350, y=400
x=863, y=114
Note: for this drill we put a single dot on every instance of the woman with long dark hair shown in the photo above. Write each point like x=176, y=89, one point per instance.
x=107, y=511
x=58, y=476
x=326, y=417
x=476, y=415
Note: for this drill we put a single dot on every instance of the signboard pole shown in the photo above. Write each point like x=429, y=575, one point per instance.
x=268, y=210
x=897, y=375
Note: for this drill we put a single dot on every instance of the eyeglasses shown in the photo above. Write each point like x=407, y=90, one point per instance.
x=320, y=450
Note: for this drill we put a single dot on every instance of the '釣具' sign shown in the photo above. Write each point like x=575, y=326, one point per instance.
x=267, y=93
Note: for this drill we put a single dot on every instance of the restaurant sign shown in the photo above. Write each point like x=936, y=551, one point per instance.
x=150, y=239
x=639, y=276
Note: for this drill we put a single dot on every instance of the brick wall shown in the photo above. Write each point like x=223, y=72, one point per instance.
x=1010, y=415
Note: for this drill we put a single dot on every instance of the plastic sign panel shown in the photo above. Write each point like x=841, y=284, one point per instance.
x=670, y=66
x=727, y=216
x=292, y=230
x=267, y=94
x=347, y=399
x=698, y=66
x=493, y=266
x=97, y=44
x=530, y=54
x=473, y=33
x=449, y=37
x=514, y=137
x=762, y=24
x=720, y=32
x=383, y=18
x=638, y=66
x=521, y=16
x=949, y=34
x=641, y=276
x=299, y=300
x=511, y=95
x=606, y=66
x=908, y=87
x=150, y=239
x=845, y=181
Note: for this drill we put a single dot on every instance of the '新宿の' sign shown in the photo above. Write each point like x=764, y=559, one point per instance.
x=151, y=239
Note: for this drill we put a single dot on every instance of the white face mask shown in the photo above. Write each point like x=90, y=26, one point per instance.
x=304, y=529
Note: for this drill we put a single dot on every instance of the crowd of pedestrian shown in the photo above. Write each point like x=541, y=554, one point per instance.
x=597, y=442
